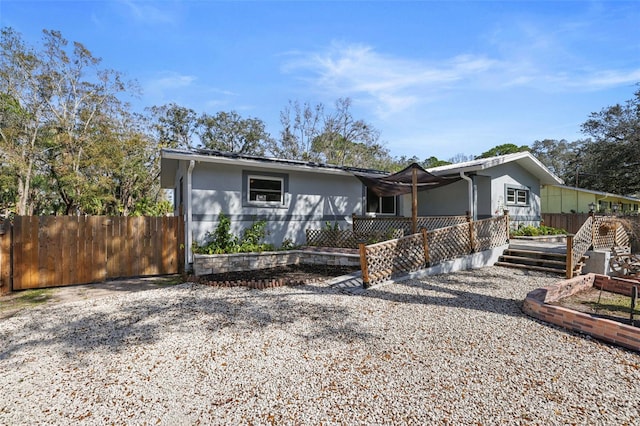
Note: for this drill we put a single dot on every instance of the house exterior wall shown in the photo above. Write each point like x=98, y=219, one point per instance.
x=448, y=200
x=310, y=200
x=482, y=188
x=511, y=175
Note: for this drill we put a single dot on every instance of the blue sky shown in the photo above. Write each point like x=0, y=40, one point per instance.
x=436, y=78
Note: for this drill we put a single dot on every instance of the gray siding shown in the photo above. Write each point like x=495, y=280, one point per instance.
x=312, y=199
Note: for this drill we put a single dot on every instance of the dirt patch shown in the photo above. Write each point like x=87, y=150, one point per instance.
x=603, y=304
x=15, y=302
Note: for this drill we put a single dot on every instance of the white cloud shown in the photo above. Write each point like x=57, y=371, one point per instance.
x=392, y=84
x=147, y=12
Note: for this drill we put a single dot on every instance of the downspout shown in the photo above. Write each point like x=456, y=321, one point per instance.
x=472, y=212
x=188, y=235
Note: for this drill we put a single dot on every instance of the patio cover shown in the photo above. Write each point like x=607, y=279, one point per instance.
x=411, y=179
x=402, y=182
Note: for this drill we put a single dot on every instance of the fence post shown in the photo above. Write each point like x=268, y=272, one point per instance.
x=363, y=265
x=425, y=244
x=593, y=226
x=472, y=236
x=570, y=255
x=505, y=212
x=5, y=256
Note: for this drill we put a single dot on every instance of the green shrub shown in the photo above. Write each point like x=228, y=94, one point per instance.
x=222, y=241
x=532, y=231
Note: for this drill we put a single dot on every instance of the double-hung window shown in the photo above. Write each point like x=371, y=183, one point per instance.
x=265, y=190
x=517, y=196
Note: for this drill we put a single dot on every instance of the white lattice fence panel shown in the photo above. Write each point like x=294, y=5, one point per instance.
x=368, y=225
x=384, y=224
x=437, y=222
x=448, y=243
x=622, y=237
x=390, y=258
x=604, y=232
x=347, y=238
x=582, y=240
x=491, y=233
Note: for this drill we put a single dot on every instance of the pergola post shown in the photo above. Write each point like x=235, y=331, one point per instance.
x=414, y=201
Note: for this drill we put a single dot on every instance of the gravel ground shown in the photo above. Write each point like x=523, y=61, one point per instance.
x=450, y=349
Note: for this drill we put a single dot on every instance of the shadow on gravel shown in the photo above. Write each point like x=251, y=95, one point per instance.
x=141, y=320
x=145, y=318
x=445, y=290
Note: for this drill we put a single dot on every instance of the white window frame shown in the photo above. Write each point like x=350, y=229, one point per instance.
x=515, y=196
x=260, y=202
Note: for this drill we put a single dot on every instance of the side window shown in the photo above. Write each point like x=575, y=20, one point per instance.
x=517, y=196
x=381, y=205
x=264, y=189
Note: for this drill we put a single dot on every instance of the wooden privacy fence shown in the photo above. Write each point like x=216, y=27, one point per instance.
x=52, y=251
x=570, y=222
x=384, y=260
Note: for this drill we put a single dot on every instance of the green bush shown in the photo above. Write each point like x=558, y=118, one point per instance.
x=222, y=241
x=532, y=231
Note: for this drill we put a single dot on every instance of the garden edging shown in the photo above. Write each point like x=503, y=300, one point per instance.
x=205, y=264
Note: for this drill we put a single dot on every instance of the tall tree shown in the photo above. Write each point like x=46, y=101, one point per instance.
x=611, y=157
x=559, y=156
x=22, y=114
x=506, y=148
x=81, y=99
x=434, y=162
x=346, y=141
x=300, y=126
x=228, y=131
x=60, y=113
x=174, y=126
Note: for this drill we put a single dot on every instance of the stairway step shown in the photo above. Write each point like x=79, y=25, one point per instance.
x=535, y=268
x=520, y=259
x=535, y=253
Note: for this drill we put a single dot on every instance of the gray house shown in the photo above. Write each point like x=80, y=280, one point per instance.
x=295, y=195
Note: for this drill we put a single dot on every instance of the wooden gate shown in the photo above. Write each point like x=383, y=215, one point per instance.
x=53, y=251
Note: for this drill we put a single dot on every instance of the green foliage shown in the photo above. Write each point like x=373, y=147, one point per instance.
x=507, y=148
x=434, y=162
x=532, y=231
x=222, y=241
x=331, y=226
x=288, y=244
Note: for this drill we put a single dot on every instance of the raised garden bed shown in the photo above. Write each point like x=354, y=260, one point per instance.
x=275, y=277
x=546, y=304
x=204, y=264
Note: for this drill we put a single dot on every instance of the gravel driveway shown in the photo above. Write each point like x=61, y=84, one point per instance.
x=449, y=349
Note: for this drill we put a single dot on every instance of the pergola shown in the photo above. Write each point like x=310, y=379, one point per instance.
x=411, y=179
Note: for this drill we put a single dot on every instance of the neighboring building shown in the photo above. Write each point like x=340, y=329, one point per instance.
x=491, y=185
x=567, y=199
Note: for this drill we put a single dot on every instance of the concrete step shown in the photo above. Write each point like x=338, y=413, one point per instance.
x=531, y=267
x=537, y=261
x=534, y=254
